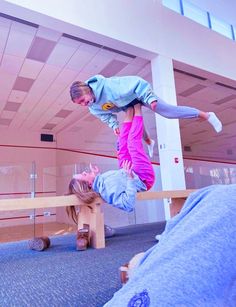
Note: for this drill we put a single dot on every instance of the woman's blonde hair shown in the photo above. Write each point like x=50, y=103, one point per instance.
x=78, y=89
x=84, y=192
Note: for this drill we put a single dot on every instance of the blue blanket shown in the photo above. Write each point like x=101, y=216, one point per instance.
x=194, y=264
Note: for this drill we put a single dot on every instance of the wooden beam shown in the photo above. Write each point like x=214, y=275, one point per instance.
x=164, y=194
x=69, y=200
x=38, y=202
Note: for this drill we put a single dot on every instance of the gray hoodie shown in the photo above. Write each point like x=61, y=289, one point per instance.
x=115, y=94
x=118, y=189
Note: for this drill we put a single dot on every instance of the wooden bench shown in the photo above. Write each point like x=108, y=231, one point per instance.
x=92, y=214
x=176, y=197
x=88, y=214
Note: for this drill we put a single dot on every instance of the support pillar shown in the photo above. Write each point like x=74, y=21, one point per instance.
x=168, y=132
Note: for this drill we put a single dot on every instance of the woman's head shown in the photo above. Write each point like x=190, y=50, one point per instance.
x=86, y=176
x=81, y=93
x=82, y=189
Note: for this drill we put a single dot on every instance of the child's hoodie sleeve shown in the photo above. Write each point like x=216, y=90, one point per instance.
x=107, y=118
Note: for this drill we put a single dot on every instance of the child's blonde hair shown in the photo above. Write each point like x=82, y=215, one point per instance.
x=78, y=89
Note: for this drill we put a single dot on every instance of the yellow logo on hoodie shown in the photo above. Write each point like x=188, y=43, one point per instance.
x=107, y=106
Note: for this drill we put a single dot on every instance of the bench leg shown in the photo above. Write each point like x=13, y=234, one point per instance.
x=94, y=217
x=176, y=205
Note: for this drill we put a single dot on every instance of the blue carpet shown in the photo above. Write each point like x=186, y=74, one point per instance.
x=61, y=276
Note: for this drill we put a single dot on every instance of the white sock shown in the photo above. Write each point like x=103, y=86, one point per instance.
x=150, y=148
x=157, y=237
x=215, y=122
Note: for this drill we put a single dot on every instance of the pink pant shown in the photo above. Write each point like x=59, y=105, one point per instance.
x=131, y=148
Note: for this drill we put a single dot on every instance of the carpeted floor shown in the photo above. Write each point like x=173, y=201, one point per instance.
x=61, y=276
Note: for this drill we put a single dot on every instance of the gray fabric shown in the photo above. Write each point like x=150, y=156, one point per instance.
x=117, y=189
x=117, y=93
x=170, y=111
x=194, y=263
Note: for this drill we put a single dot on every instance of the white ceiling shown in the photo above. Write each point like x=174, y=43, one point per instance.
x=38, y=65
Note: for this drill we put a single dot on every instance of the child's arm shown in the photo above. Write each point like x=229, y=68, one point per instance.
x=108, y=118
x=124, y=200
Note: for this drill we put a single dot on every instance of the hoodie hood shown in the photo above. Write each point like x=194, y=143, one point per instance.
x=96, y=83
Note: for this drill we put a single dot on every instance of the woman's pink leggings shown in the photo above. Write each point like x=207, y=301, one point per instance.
x=130, y=147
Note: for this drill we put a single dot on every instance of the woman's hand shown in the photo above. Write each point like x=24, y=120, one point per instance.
x=94, y=169
x=127, y=167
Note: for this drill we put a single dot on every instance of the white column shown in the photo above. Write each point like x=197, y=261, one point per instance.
x=168, y=133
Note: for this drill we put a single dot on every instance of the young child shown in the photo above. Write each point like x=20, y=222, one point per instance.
x=106, y=96
x=119, y=187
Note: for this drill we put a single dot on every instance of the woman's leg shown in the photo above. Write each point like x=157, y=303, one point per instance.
x=140, y=161
x=146, y=137
x=123, y=152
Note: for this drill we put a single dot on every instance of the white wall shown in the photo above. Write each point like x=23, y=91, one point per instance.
x=22, y=137
x=20, y=149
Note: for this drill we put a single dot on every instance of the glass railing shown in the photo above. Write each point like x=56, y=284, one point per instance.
x=17, y=181
x=55, y=180
x=25, y=181
x=199, y=174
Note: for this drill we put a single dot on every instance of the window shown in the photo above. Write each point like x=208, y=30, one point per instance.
x=186, y=8
x=233, y=29
x=194, y=13
x=173, y=5
x=221, y=27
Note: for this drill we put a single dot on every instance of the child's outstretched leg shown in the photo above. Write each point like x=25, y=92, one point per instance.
x=141, y=164
x=123, y=152
x=170, y=111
